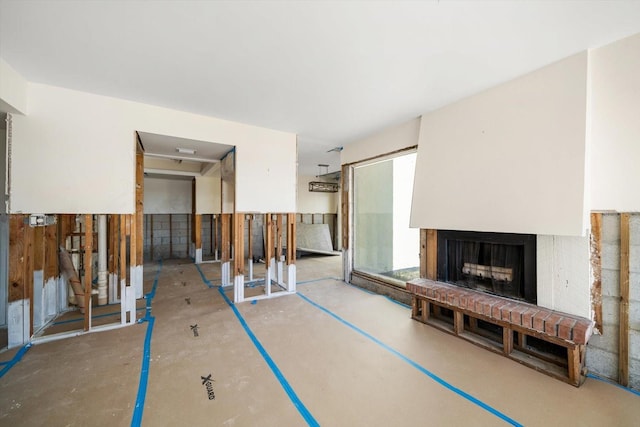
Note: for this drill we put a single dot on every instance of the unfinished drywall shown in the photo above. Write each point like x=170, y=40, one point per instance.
x=94, y=137
x=386, y=141
x=13, y=90
x=167, y=196
x=615, y=127
x=510, y=159
x=602, y=352
x=563, y=274
x=315, y=202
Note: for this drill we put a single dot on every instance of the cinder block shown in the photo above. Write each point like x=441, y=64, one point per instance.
x=611, y=228
x=634, y=254
x=634, y=286
x=634, y=373
x=610, y=256
x=634, y=315
x=608, y=340
x=611, y=282
x=634, y=344
x=610, y=310
x=602, y=363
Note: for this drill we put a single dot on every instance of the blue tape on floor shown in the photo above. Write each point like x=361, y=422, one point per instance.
x=414, y=364
x=274, y=368
x=630, y=390
x=136, y=420
x=204, y=279
x=16, y=358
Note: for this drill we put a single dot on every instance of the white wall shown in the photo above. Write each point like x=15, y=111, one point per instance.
x=75, y=153
x=563, y=274
x=510, y=159
x=208, y=194
x=13, y=90
x=167, y=196
x=315, y=202
x=386, y=141
x=615, y=131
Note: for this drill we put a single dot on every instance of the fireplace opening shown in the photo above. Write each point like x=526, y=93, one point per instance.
x=498, y=263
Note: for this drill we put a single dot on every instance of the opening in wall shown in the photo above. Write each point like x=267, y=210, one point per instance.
x=383, y=243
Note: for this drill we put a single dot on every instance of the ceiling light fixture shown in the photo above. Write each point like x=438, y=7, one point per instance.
x=185, y=150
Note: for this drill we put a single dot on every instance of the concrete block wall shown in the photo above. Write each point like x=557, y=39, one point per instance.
x=171, y=236
x=602, y=352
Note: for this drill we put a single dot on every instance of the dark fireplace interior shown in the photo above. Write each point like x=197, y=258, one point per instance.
x=498, y=263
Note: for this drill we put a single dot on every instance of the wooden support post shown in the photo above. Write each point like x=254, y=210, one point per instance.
x=507, y=340
x=214, y=235
x=623, y=355
x=197, y=231
x=88, y=253
x=225, y=243
x=133, y=246
x=432, y=254
x=458, y=322
x=291, y=238
x=596, y=269
x=574, y=365
x=423, y=253
x=238, y=244
x=51, y=269
x=139, y=214
x=279, y=238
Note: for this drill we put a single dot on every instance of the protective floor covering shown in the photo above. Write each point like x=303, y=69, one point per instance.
x=332, y=355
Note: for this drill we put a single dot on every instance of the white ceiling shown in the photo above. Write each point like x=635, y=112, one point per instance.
x=330, y=71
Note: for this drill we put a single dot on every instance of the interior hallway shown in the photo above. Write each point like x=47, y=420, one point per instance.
x=331, y=355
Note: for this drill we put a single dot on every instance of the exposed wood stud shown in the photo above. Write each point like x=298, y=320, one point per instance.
x=133, y=245
x=623, y=355
x=51, y=269
x=344, y=205
x=278, y=237
x=123, y=249
x=268, y=244
x=197, y=231
x=250, y=237
x=432, y=255
x=423, y=253
x=238, y=244
x=88, y=253
x=225, y=243
x=16, y=258
x=291, y=238
x=139, y=214
x=596, y=269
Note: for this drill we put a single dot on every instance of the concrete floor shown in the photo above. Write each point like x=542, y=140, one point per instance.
x=332, y=355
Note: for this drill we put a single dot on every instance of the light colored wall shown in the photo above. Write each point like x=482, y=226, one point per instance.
x=75, y=153
x=615, y=131
x=386, y=141
x=208, y=194
x=510, y=159
x=13, y=90
x=315, y=202
x=167, y=196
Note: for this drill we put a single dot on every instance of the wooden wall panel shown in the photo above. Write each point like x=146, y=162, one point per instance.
x=51, y=268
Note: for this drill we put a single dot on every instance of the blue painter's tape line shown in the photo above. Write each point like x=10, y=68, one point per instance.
x=16, y=358
x=274, y=368
x=415, y=364
x=356, y=287
x=136, y=420
x=630, y=390
x=204, y=279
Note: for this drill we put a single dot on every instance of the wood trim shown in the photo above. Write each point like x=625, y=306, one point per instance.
x=623, y=355
x=88, y=253
x=596, y=269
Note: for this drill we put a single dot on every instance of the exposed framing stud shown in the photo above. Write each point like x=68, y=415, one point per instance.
x=88, y=253
x=623, y=355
